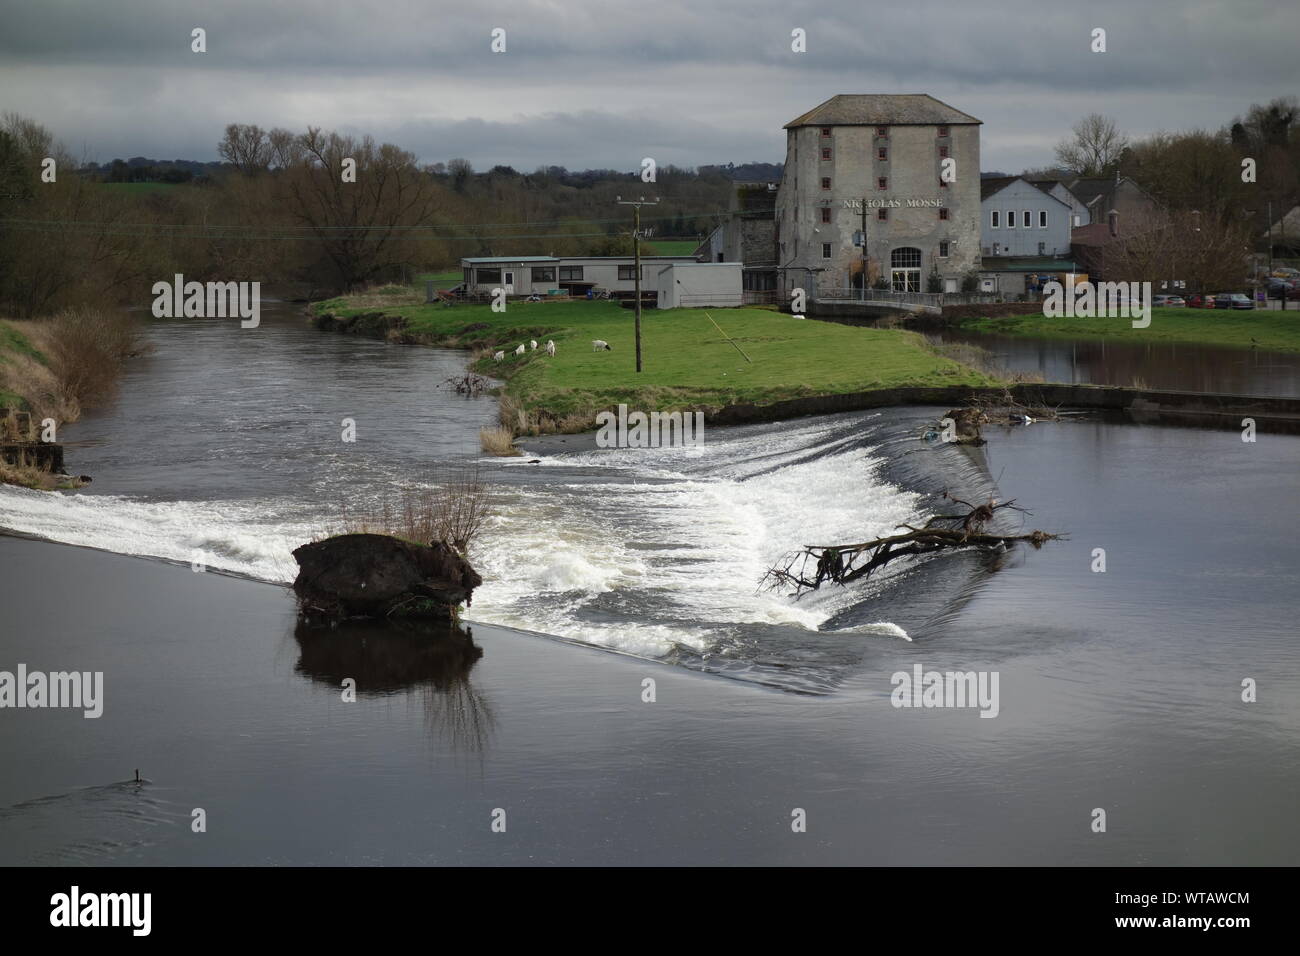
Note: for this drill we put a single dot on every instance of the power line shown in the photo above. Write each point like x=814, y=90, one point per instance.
x=90, y=223
x=306, y=235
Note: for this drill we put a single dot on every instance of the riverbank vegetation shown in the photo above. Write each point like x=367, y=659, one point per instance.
x=277, y=210
x=1271, y=329
x=764, y=356
x=450, y=507
x=54, y=369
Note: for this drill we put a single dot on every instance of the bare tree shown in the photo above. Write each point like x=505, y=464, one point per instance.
x=1095, y=148
x=285, y=147
x=246, y=147
x=368, y=225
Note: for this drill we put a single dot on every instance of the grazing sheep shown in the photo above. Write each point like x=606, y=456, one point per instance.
x=499, y=356
x=600, y=345
x=520, y=350
x=550, y=348
x=533, y=344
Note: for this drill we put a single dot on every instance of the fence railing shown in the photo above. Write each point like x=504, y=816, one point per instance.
x=932, y=299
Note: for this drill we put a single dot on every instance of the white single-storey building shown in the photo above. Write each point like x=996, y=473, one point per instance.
x=557, y=275
x=687, y=285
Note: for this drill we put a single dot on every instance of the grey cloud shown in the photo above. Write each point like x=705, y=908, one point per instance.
x=589, y=82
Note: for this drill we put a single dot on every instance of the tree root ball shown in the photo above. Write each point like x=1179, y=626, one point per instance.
x=375, y=575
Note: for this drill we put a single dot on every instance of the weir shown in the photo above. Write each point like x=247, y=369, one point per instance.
x=1142, y=406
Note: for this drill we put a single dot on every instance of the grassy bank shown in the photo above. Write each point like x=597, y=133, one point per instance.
x=687, y=361
x=1262, y=328
x=54, y=368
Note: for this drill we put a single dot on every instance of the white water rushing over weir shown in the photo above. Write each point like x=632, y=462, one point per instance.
x=643, y=551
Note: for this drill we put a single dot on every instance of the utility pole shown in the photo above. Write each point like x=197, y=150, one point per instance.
x=1270, y=238
x=864, y=248
x=636, y=205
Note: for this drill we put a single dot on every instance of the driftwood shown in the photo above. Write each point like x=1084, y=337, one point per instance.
x=469, y=384
x=813, y=564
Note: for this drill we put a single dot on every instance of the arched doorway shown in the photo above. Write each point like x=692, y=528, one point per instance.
x=905, y=269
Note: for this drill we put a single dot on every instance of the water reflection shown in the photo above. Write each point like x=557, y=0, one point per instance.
x=1179, y=366
x=389, y=657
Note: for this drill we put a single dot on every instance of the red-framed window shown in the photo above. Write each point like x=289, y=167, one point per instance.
x=826, y=182
x=882, y=182
x=826, y=213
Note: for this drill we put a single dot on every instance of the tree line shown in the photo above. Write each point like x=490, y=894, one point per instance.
x=1198, y=169
x=320, y=209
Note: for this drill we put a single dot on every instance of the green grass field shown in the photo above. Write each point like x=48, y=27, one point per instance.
x=686, y=360
x=1263, y=328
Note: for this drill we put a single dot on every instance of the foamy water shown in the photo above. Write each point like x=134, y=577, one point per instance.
x=665, y=554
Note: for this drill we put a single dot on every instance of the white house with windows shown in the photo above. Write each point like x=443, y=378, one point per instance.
x=1020, y=219
x=1024, y=235
x=560, y=275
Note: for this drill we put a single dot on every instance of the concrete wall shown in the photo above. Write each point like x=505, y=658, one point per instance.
x=699, y=284
x=912, y=172
x=1192, y=409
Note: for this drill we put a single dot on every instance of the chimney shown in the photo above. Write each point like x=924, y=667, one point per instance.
x=1113, y=218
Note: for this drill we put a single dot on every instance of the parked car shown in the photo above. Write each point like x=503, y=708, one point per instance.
x=1276, y=287
x=1285, y=272
x=1200, y=300
x=1169, y=301
x=1233, y=300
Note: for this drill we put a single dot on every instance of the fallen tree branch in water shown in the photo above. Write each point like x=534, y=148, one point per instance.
x=846, y=563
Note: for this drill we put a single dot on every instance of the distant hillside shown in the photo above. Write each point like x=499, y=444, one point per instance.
x=746, y=172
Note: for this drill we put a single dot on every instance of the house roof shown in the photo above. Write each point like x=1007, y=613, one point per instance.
x=1090, y=190
x=995, y=184
x=882, y=109
x=489, y=259
x=992, y=185
x=508, y=260
x=1047, y=185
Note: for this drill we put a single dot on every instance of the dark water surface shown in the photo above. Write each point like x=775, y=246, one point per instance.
x=1119, y=690
x=1174, y=366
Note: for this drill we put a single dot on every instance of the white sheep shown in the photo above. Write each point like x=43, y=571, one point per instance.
x=533, y=344
x=499, y=356
x=600, y=345
x=550, y=348
x=520, y=350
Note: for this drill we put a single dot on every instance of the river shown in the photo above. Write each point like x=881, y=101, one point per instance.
x=1119, y=690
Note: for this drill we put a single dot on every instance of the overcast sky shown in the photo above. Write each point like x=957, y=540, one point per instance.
x=602, y=83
